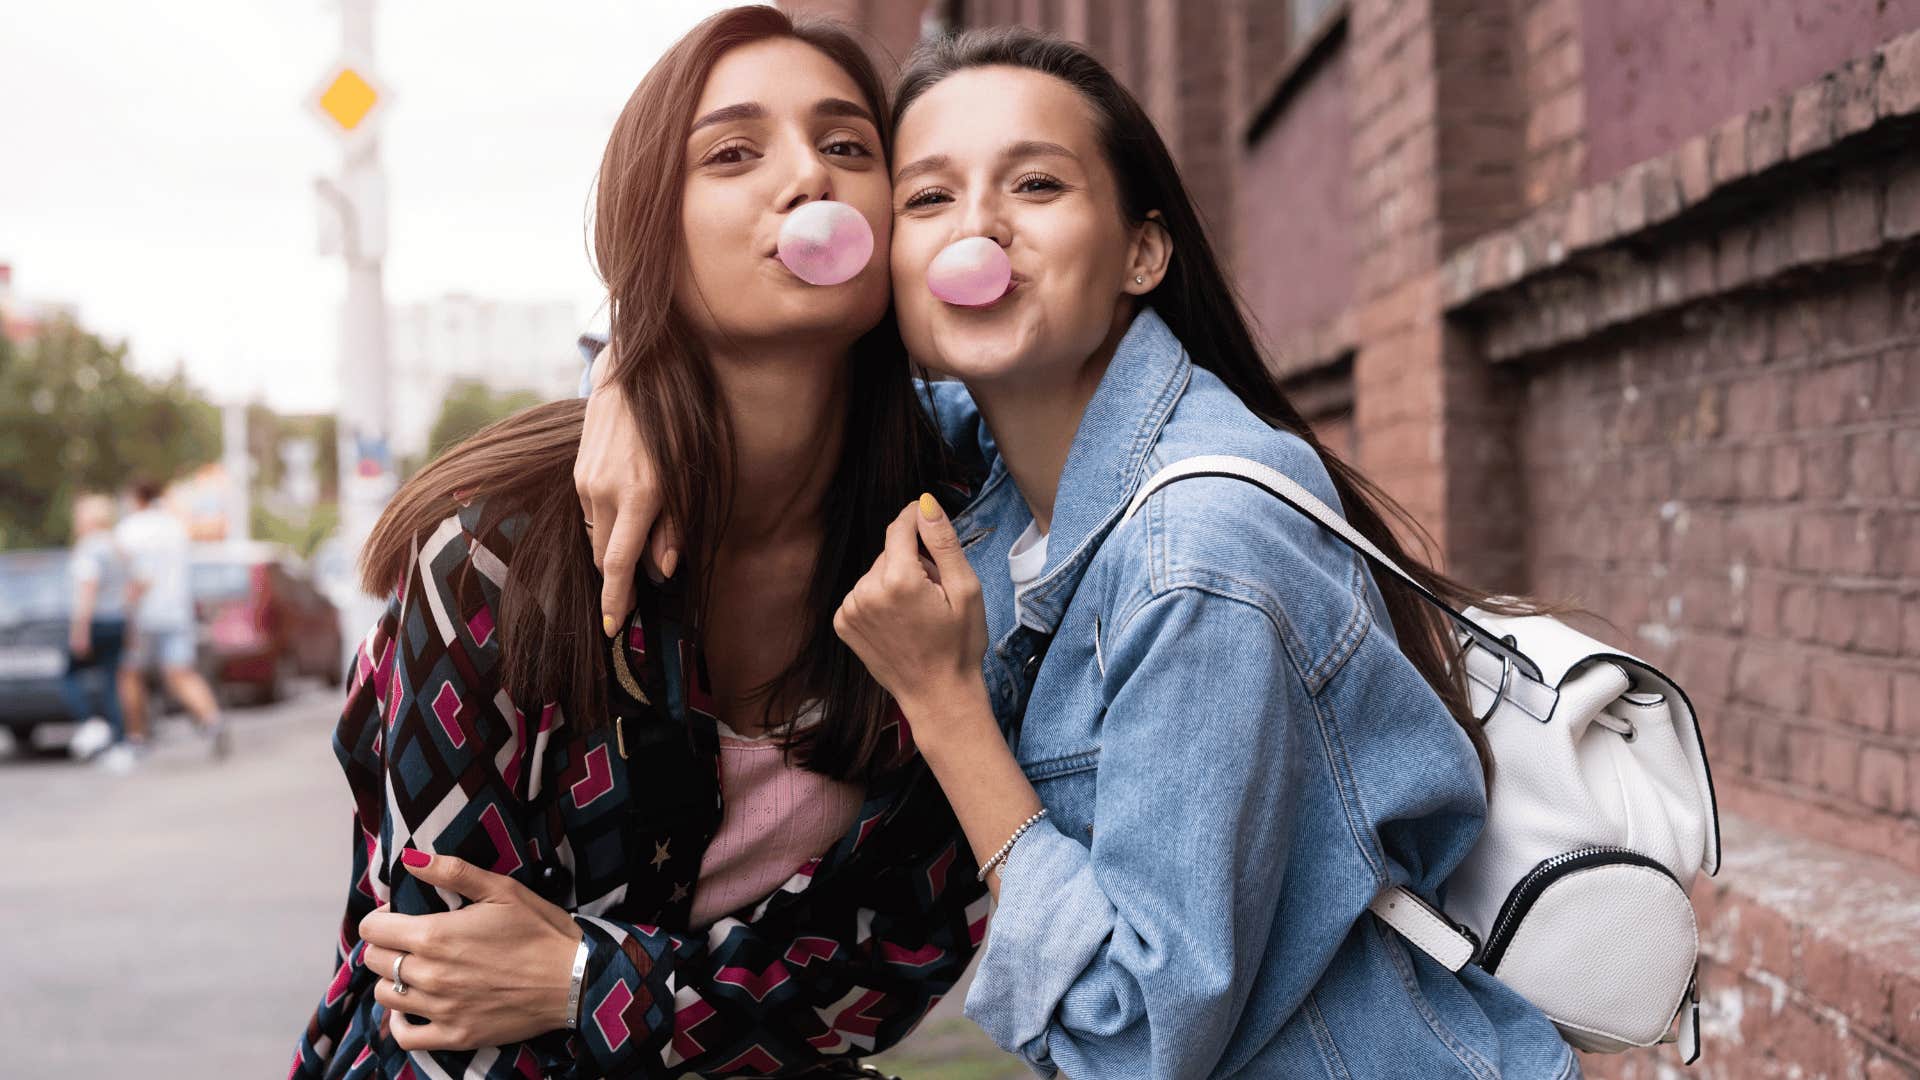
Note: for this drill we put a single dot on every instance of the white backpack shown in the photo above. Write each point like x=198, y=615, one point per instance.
x=1601, y=813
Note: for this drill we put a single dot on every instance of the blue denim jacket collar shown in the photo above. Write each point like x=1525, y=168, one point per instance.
x=1146, y=377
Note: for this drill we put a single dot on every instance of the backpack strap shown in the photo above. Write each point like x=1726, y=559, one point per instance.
x=1450, y=945
x=1287, y=490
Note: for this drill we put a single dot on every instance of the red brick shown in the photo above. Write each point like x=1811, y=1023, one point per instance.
x=1904, y=457
x=1836, y=976
x=1883, y=779
x=1880, y=1067
x=1800, y=612
x=1827, y=476
x=1877, y=625
x=1853, y=96
x=1906, y=1011
x=1787, y=471
x=1870, y=465
x=1898, y=389
x=1854, y=694
x=1804, y=768
x=1898, y=90
x=1902, y=217
x=1762, y=539
x=1906, y=692
x=1766, y=137
x=1810, y=118
x=1839, y=765
x=1729, y=151
x=1770, y=750
x=1770, y=676
x=1693, y=164
x=1811, y=225
x=1856, y=216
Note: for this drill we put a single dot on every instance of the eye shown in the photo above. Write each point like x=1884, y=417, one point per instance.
x=847, y=148
x=926, y=197
x=1034, y=182
x=728, y=154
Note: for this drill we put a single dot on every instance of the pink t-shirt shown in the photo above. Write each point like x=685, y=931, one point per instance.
x=776, y=818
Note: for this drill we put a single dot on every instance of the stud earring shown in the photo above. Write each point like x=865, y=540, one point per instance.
x=1138, y=280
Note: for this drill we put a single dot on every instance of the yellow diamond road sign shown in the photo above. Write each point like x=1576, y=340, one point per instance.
x=348, y=99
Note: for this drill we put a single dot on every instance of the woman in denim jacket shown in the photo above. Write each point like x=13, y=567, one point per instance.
x=1237, y=738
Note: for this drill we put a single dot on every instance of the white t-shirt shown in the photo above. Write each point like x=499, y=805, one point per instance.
x=155, y=543
x=97, y=559
x=1027, y=558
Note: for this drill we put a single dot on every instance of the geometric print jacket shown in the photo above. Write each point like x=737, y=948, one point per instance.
x=840, y=962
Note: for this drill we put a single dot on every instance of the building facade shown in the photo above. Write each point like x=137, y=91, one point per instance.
x=503, y=345
x=1622, y=299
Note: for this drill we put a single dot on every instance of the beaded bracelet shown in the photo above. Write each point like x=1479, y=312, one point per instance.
x=1001, y=855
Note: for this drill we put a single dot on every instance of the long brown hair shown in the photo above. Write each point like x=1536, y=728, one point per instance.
x=1201, y=307
x=549, y=607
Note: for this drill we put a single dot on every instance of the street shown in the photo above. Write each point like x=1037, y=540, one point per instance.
x=179, y=921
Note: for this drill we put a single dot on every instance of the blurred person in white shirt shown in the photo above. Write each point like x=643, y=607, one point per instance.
x=160, y=615
x=96, y=633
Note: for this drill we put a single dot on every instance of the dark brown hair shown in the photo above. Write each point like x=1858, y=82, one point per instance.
x=1201, y=307
x=549, y=608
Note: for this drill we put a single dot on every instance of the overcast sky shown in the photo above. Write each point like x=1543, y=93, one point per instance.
x=157, y=166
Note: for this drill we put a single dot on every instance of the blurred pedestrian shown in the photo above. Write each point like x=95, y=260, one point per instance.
x=160, y=614
x=96, y=634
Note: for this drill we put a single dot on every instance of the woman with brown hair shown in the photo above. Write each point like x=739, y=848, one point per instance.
x=1191, y=738
x=701, y=839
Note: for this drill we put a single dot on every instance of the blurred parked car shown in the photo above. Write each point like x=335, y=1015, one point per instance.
x=35, y=602
x=261, y=621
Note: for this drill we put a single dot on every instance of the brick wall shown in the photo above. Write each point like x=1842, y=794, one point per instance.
x=1737, y=488
x=1656, y=72
x=1297, y=269
x=1622, y=300
x=1552, y=98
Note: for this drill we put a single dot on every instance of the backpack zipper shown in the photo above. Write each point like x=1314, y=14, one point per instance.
x=1524, y=895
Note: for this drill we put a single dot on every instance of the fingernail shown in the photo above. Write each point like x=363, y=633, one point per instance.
x=607, y=625
x=670, y=564
x=415, y=858
x=929, y=509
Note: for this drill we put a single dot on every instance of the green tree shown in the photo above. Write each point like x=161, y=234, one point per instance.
x=75, y=418
x=470, y=406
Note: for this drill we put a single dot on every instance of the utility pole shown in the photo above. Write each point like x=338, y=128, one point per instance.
x=237, y=465
x=351, y=100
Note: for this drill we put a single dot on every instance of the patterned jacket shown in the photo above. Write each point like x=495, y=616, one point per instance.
x=843, y=960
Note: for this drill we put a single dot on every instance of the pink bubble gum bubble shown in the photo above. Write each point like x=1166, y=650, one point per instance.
x=826, y=243
x=970, y=272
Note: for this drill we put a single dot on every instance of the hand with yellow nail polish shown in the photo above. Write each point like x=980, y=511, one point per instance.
x=917, y=620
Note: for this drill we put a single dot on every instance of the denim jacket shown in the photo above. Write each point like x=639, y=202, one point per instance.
x=1235, y=757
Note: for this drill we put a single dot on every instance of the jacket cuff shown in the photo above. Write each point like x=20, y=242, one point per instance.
x=624, y=1012
x=1051, y=922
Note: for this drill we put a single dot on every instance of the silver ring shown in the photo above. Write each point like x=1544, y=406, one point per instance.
x=398, y=986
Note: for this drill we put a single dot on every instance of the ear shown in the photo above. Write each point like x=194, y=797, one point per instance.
x=1148, y=255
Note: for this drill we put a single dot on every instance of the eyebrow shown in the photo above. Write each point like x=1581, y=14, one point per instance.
x=1024, y=149
x=753, y=110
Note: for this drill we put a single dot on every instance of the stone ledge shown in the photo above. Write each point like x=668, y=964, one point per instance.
x=1810, y=960
x=1764, y=181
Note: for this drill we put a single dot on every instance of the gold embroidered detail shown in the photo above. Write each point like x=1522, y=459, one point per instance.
x=625, y=674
